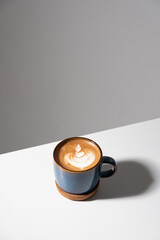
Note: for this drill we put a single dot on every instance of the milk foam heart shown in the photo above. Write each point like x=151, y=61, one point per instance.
x=80, y=158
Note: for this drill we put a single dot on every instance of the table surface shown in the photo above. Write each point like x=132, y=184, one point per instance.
x=126, y=205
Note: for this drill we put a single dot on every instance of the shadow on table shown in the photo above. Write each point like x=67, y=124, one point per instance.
x=132, y=178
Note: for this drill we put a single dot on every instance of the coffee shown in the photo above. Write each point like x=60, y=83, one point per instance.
x=78, y=154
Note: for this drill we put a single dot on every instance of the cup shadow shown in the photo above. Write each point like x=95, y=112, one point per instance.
x=131, y=179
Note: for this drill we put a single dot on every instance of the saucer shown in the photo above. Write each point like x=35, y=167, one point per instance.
x=77, y=197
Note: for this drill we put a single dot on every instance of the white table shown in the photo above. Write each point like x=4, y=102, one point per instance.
x=126, y=206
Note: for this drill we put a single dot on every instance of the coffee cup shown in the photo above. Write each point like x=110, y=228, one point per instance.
x=78, y=167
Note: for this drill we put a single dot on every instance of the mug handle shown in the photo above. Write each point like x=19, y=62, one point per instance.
x=111, y=171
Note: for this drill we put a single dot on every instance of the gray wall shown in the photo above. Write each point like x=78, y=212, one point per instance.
x=75, y=67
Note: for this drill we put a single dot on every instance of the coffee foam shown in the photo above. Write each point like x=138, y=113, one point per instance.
x=78, y=154
x=81, y=158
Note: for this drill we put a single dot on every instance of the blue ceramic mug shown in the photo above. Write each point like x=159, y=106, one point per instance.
x=81, y=182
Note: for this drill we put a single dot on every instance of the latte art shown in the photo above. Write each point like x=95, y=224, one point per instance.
x=81, y=158
x=78, y=154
